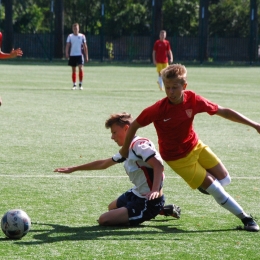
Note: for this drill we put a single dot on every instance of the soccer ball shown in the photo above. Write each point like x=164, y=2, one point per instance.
x=15, y=223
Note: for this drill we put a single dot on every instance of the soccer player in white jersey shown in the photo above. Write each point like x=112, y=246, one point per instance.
x=144, y=166
x=76, y=47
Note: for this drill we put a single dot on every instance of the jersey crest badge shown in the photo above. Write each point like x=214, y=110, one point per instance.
x=189, y=112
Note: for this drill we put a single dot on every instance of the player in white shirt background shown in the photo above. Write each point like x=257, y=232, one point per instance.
x=76, y=48
x=144, y=167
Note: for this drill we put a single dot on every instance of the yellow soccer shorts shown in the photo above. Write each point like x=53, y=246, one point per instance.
x=160, y=66
x=192, y=168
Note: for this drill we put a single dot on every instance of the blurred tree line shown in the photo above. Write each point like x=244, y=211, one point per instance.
x=126, y=17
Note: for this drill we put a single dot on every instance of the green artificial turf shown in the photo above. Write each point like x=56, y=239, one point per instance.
x=45, y=125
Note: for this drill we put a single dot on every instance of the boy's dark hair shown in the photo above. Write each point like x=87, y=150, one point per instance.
x=120, y=119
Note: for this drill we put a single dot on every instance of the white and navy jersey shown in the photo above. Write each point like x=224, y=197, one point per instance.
x=76, y=42
x=139, y=171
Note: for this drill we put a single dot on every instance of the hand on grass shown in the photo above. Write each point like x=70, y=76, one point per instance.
x=64, y=170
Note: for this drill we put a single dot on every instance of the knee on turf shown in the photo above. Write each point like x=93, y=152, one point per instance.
x=103, y=221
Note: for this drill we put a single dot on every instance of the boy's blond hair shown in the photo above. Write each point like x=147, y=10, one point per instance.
x=176, y=72
x=120, y=119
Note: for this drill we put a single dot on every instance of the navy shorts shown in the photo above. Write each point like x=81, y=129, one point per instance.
x=140, y=209
x=74, y=61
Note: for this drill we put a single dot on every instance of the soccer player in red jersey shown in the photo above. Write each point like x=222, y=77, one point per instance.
x=161, y=54
x=145, y=170
x=12, y=54
x=75, y=48
x=179, y=144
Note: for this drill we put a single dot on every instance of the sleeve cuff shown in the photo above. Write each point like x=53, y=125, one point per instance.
x=118, y=158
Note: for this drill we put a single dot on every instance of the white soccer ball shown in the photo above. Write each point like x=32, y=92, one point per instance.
x=15, y=223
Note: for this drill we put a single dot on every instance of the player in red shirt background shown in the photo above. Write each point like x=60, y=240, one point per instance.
x=161, y=54
x=179, y=144
x=12, y=54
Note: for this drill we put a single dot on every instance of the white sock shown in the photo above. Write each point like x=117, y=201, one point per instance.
x=226, y=181
x=160, y=82
x=225, y=200
x=162, y=85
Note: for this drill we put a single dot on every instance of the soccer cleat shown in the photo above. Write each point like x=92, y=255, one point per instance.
x=171, y=210
x=250, y=224
x=80, y=86
x=203, y=191
x=74, y=87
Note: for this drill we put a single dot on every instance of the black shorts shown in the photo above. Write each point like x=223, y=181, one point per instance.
x=140, y=209
x=74, y=61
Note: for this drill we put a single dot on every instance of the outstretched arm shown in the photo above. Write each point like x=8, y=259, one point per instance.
x=129, y=137
x=237, y=117
x=12, y=54
x=96, y=165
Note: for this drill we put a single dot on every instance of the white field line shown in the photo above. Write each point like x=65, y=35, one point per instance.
x=100, y=176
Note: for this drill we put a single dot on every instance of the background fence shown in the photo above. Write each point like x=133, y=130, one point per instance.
x=139, y=48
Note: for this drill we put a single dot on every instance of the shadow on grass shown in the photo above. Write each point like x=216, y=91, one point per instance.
x=56, y=233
